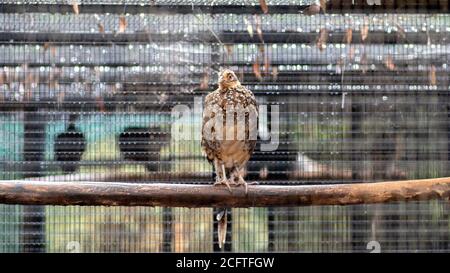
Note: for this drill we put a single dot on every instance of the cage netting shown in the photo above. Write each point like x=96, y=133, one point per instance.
x=87, y=87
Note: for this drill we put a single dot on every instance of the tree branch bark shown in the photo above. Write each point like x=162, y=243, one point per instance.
x=184, y=195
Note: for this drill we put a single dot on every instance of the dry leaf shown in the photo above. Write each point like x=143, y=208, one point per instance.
x=53, y=51
x=28, y=93
x=52, y=84
x=322, y=39
x=258, y=28
x=364, y=31
x=364, y=65
x=101, y=28
x=274, y=73
x=261, y=48
x=263, y=173
x=60, y=97
x=339, y=66
x=264, y=6
x=323, y=5
x=266, y=64
x=432, y=75
x=205, y=81
x=348, y=36
x=27, y=83
x=249, y=27
x=257, y=70
x=351, y=52
x=312, y=10
x=229, y=49
x=100, y=104
x=75, y=7
x=241, y=75
x=163, y=97
x=46, y=46
x=389, y=63
x=30, y=79
x=122, y=24
x=54, y=75
x=401, y=34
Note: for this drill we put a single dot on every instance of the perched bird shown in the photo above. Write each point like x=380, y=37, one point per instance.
x=69, y=147
x=143, y=145
x=229, y=131
x=316, y=8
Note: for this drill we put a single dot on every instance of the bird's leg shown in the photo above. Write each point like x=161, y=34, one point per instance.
x=234, y=176
x=240, y=175
x=225, y=178
x=241, y=180
x=221, y=179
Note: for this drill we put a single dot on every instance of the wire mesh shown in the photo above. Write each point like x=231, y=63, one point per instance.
x=88, y=87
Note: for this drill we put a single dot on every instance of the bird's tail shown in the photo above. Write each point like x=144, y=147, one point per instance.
x=221, y=226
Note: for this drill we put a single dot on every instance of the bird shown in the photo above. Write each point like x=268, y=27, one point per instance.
x=69, y=147
x=143, y=145
x=316, y=8
x=229, y=131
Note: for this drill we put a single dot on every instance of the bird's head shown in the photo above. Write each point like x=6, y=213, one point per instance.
x=227, y=79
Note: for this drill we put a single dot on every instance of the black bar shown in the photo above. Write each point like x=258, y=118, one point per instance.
x=271, y=229
x=33, y=229
x=356, y=127
x=333, y=6
x=167, y=229
x=137, y=9
x=448, y=131
x=110, y=105
x=226, y=37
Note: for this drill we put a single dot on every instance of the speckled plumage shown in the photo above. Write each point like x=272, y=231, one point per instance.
x=233, y=153
x=229, y=152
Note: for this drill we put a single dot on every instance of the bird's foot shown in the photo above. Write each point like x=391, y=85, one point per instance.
x=223, y=182
x=242, y=182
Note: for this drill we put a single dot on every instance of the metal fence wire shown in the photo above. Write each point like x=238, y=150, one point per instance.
x=88, y=87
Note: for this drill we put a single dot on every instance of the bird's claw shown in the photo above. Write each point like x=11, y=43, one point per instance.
x=245, y=184
x=223, y=182
x=237, y=184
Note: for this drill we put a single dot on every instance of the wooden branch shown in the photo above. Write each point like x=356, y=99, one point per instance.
x=118, y=176
x=184, y=195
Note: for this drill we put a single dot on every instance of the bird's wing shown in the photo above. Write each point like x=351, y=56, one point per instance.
x=252, y=107
x=250, y=100
x=208, y=146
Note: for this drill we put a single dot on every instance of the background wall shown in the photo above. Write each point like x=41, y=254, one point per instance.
x=89, y=87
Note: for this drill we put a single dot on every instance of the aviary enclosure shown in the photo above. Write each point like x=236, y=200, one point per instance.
x=360, y=90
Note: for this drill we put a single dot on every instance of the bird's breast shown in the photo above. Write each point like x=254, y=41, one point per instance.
x=234, y=152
